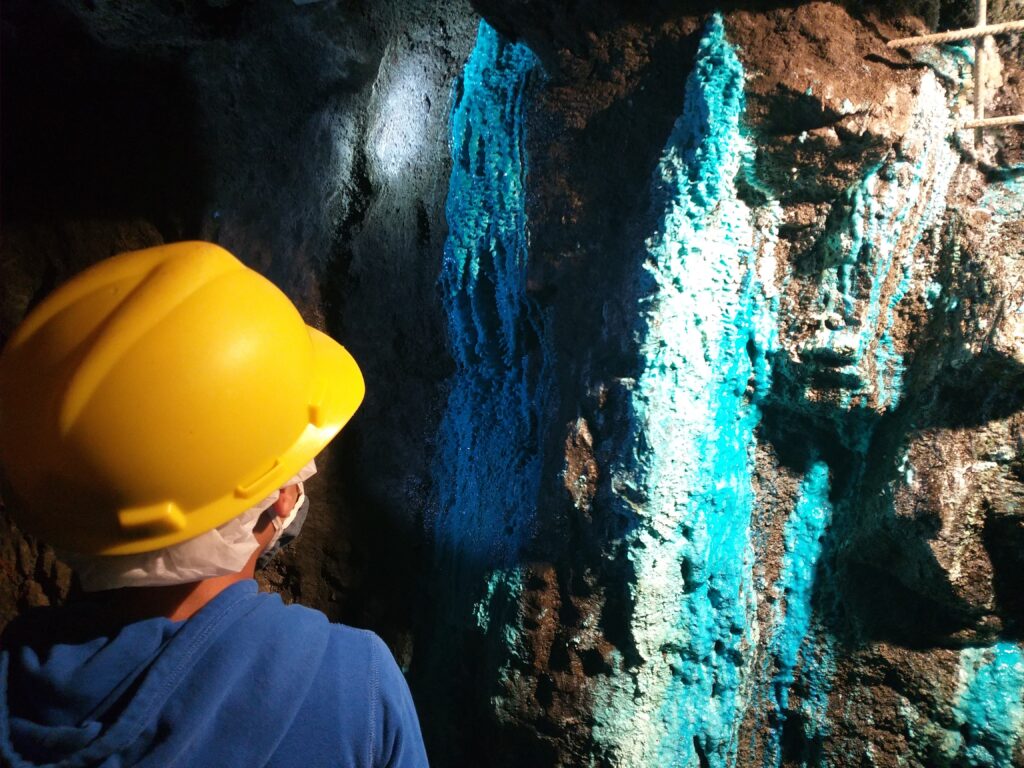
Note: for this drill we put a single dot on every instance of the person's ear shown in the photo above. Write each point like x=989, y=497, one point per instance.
x=286, y=501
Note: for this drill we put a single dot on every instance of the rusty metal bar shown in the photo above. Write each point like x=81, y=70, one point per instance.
x=980, y=73
x=980, y=34
x=957, y=35
x=993, y=122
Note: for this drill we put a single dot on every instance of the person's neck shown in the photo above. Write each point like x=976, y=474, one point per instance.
x=176, y=602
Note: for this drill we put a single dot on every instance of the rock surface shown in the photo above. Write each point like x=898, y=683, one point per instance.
x=693, y=339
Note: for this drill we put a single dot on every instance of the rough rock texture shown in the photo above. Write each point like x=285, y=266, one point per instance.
x=693, y=332
x=756, y=249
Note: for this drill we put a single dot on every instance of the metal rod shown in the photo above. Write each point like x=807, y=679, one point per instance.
x=980, y=34
x=979, y=73
x=957, y=35
x=993, y=122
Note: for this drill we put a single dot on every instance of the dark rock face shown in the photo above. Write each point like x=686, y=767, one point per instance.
x=694, y=347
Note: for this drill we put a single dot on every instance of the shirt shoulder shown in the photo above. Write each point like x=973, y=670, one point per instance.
x=397, y=736
x=356, y=691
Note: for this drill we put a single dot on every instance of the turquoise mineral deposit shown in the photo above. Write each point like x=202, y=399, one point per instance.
x=990, y=705
x=793, y=643
x=708, y=331
x=488, y=470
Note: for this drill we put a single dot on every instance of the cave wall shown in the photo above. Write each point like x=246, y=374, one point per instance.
x=753, y=291
x=693, y=336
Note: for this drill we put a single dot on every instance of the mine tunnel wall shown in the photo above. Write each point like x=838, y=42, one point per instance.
x=693, y=338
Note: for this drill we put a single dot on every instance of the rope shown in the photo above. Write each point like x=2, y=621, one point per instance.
x=991, y=122
x=957, y=35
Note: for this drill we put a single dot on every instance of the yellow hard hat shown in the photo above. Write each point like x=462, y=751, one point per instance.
x=160, y=393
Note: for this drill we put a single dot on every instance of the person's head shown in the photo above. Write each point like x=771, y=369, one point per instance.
x=158, y=401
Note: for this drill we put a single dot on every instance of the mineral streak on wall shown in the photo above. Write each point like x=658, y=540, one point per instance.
x=487, y=472
x=487, y=468
x=795, y=641
x=686, y=475
x=868, y=259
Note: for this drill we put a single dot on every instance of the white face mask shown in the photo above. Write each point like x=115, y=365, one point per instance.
x=225, y=549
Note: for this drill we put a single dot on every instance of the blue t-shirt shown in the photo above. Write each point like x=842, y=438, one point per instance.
x=247, y=681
